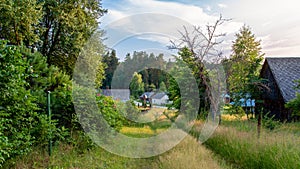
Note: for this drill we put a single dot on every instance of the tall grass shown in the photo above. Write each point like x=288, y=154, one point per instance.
x=238, y=144
x=188, y=154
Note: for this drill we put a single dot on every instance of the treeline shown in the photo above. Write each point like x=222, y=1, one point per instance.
x=152, y=68
x=40, y=43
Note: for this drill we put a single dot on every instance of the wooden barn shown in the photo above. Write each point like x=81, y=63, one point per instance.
x=280, y=73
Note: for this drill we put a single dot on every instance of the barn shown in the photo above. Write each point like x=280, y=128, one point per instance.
x=280, y=74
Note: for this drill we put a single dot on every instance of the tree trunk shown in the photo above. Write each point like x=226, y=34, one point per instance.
x=259, y=124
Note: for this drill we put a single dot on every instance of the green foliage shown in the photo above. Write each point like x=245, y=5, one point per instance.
x=20, y=21
x=25, y=79
x=43, y=78
x=96, y=113
x=136, y=86
x=141, y=61
x=234, y=110
x=67, y=25
x=18, y=113
x=129, y=111
x=186, y=57
x=111, y=61
x=58, y=29
x=270, y=122
x=162, y=87
x=5, y=145
x=108, y=109
x=294, y=104
x=244, y=150
x=244, y=64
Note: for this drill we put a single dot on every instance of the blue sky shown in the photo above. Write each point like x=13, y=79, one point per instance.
x=275, y=23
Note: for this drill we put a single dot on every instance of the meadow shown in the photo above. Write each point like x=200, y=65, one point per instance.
x=236, y=141
x=188, y=154
x=234, y=144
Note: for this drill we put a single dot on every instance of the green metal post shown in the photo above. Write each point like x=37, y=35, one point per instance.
x=49, y=115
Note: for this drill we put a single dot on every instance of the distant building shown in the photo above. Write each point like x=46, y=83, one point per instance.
x=160, y=99
x=247, y=103
x=147, y=96
x=117, y=94
x=280, y=74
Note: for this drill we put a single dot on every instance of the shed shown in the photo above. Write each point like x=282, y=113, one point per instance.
x=281, y=74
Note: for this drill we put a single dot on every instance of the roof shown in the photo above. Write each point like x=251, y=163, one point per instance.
x=147, y=94
x=285, y=71
x=159, y=95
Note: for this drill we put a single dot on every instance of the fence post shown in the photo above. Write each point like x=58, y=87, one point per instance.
x=49, y=116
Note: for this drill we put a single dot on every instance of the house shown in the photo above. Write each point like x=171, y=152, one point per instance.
x=117, y=94
x=160, y=98
x=147, y=96
x=280, y=73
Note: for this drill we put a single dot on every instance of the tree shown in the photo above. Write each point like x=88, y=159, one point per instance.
x=67, y=26
x=20, y=21
x=57, y=29
x=151, y=68
x=18, y=110
x=162, y=87
x=245, y=63
x=111, y=61
x=197, y=49
x=136, y=86
x=25, y=77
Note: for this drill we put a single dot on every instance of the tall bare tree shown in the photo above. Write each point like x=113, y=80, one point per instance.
x=205, y=56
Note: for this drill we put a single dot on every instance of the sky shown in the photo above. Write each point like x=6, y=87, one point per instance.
x=149, y=25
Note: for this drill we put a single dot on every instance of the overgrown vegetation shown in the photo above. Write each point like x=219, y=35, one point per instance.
x=237, y=143
x=294, y=104
x=67, y=156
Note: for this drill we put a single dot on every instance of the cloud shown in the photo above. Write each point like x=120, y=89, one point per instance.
x=222, y=5
x=122, y=19
x=208, y=8
x=276, y=23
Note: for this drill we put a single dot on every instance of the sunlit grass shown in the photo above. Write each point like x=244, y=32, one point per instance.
x=228, y=117
x=155, y=113
x=145, y=131
x=187, y=154
x=237, y=143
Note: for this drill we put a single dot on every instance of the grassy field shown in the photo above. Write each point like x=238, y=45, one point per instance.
x=236, y=142
x=188, y=154
x=233, y=145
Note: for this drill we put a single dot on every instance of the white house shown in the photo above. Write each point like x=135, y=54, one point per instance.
x=160, y=99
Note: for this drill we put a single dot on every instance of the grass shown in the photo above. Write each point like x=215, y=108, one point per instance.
x=140, y=132
x=236, y=142
x=188, y=154
x=233, y=145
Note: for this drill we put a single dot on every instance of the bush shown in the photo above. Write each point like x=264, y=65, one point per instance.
x=270, y=122
x=18, y=112
x=25, y=77
x=96, y=113
x=294, y=105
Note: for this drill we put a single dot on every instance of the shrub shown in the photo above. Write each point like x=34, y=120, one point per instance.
x=25, y=77
x=18, y=112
